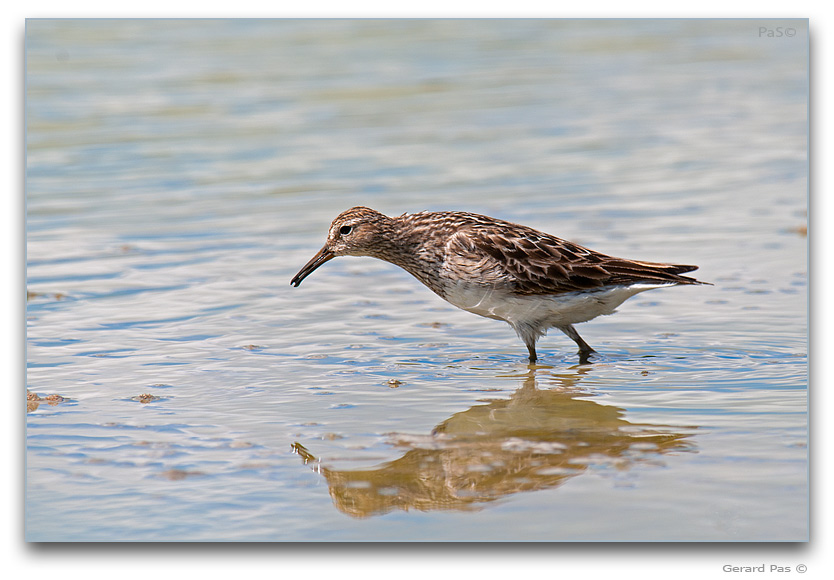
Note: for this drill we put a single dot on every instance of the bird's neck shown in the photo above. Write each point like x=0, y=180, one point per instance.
x=407, y=248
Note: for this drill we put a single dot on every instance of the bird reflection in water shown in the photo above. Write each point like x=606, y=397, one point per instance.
x=537, y=439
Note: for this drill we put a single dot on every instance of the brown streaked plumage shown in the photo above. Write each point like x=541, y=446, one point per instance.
x=532, y=280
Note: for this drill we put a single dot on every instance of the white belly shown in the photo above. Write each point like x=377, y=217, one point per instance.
x=542, y=311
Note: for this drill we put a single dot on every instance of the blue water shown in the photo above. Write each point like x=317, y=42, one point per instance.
x=179, y=173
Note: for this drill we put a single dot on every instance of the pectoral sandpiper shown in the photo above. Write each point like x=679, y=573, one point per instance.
x=497, y=269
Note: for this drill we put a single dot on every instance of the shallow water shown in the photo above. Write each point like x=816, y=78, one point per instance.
x=180, y=172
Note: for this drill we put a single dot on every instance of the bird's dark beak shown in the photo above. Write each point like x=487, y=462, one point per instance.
x=323, y=256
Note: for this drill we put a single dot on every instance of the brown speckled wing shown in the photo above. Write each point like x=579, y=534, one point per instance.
x=530, y=262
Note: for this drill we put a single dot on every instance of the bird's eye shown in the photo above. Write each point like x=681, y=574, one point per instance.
x=345, y=230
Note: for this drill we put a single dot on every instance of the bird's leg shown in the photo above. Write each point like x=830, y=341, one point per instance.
x=584, y=348
x=531, y=348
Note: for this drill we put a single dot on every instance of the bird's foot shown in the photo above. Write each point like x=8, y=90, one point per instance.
x=585, y=356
